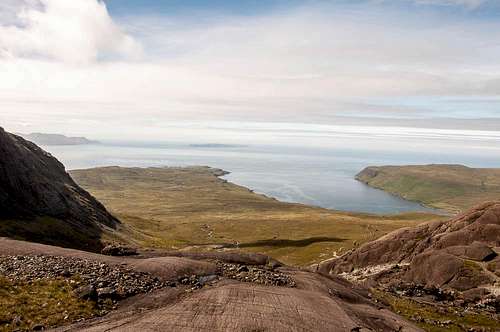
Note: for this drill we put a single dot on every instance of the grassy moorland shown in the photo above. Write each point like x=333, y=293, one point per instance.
x=193, y=209
x=438, y=318
x=454, y=188
x=42, y=303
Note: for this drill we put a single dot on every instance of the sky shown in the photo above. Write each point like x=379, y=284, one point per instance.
x=130, y=68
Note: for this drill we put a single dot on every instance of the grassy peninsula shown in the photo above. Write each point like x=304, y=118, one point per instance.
x=194, y=209
x=454, y=188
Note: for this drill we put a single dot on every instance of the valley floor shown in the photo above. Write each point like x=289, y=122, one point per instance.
x=193, y=209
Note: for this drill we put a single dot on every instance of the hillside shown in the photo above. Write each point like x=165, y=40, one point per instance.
x=452, y=265
x=454, y=188
x=56, y=139
x=222, y=292
x=194, y=209
x=40, y=202
x=198, y=276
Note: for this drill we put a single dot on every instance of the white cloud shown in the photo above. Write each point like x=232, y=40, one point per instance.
x=77, y=31
x=301, y=65
x=466, y=3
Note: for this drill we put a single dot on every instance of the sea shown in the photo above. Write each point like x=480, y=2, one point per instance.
x=314, y=174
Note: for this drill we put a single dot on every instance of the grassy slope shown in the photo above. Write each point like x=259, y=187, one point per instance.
x=40, y=303
x=451, y=187
x=194, y=209
x=438, y=319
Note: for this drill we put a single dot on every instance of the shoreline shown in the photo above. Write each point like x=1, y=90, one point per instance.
x=219, y=173
x=439, y=211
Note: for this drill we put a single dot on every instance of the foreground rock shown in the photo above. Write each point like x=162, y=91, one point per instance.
x=94, y=280
x=455, y=260
x=316, y=304
x=221, y=293
x=264, y=275
x=40, y=202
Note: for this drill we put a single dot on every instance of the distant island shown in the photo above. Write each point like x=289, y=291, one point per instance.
x=217, y=145
x=454, y=188
x=56, y=139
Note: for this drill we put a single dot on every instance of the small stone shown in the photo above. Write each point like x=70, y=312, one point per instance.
x=105, y=292
x=65, y=273
x=16, y=320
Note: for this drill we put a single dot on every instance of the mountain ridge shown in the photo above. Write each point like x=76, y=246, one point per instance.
x=36, y=190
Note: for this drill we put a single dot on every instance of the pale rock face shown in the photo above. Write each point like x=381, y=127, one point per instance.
x=461, y=253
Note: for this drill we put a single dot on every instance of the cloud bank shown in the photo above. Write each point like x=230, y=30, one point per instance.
x=76, y=31
x=71, y=59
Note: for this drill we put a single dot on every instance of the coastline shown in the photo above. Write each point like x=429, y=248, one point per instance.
x=438, y=210
x=193, y=208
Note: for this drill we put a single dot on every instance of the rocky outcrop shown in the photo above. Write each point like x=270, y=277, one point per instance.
x=92, y=277
x=39, y=201
x=118, y=250
x=205, y=294
x=460, y=254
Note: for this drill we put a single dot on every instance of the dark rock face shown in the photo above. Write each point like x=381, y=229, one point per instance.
x=460, y=254
x=35, y=184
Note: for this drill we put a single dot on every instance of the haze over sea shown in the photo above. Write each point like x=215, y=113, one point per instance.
x=310, y=164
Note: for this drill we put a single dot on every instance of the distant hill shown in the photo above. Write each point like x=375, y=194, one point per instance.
x=56, y=139
x=40, y=202
x=217, y=145
x=451, y=187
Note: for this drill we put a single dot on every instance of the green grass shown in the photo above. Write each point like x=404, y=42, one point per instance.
x=426, y=316
x=47, y=303
x=453, y=188
x=473, y=266
x=192, y=209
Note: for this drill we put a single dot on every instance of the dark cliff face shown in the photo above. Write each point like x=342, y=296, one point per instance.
x=35, y=185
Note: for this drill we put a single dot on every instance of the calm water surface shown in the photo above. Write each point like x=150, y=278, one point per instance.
x=316, y=176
